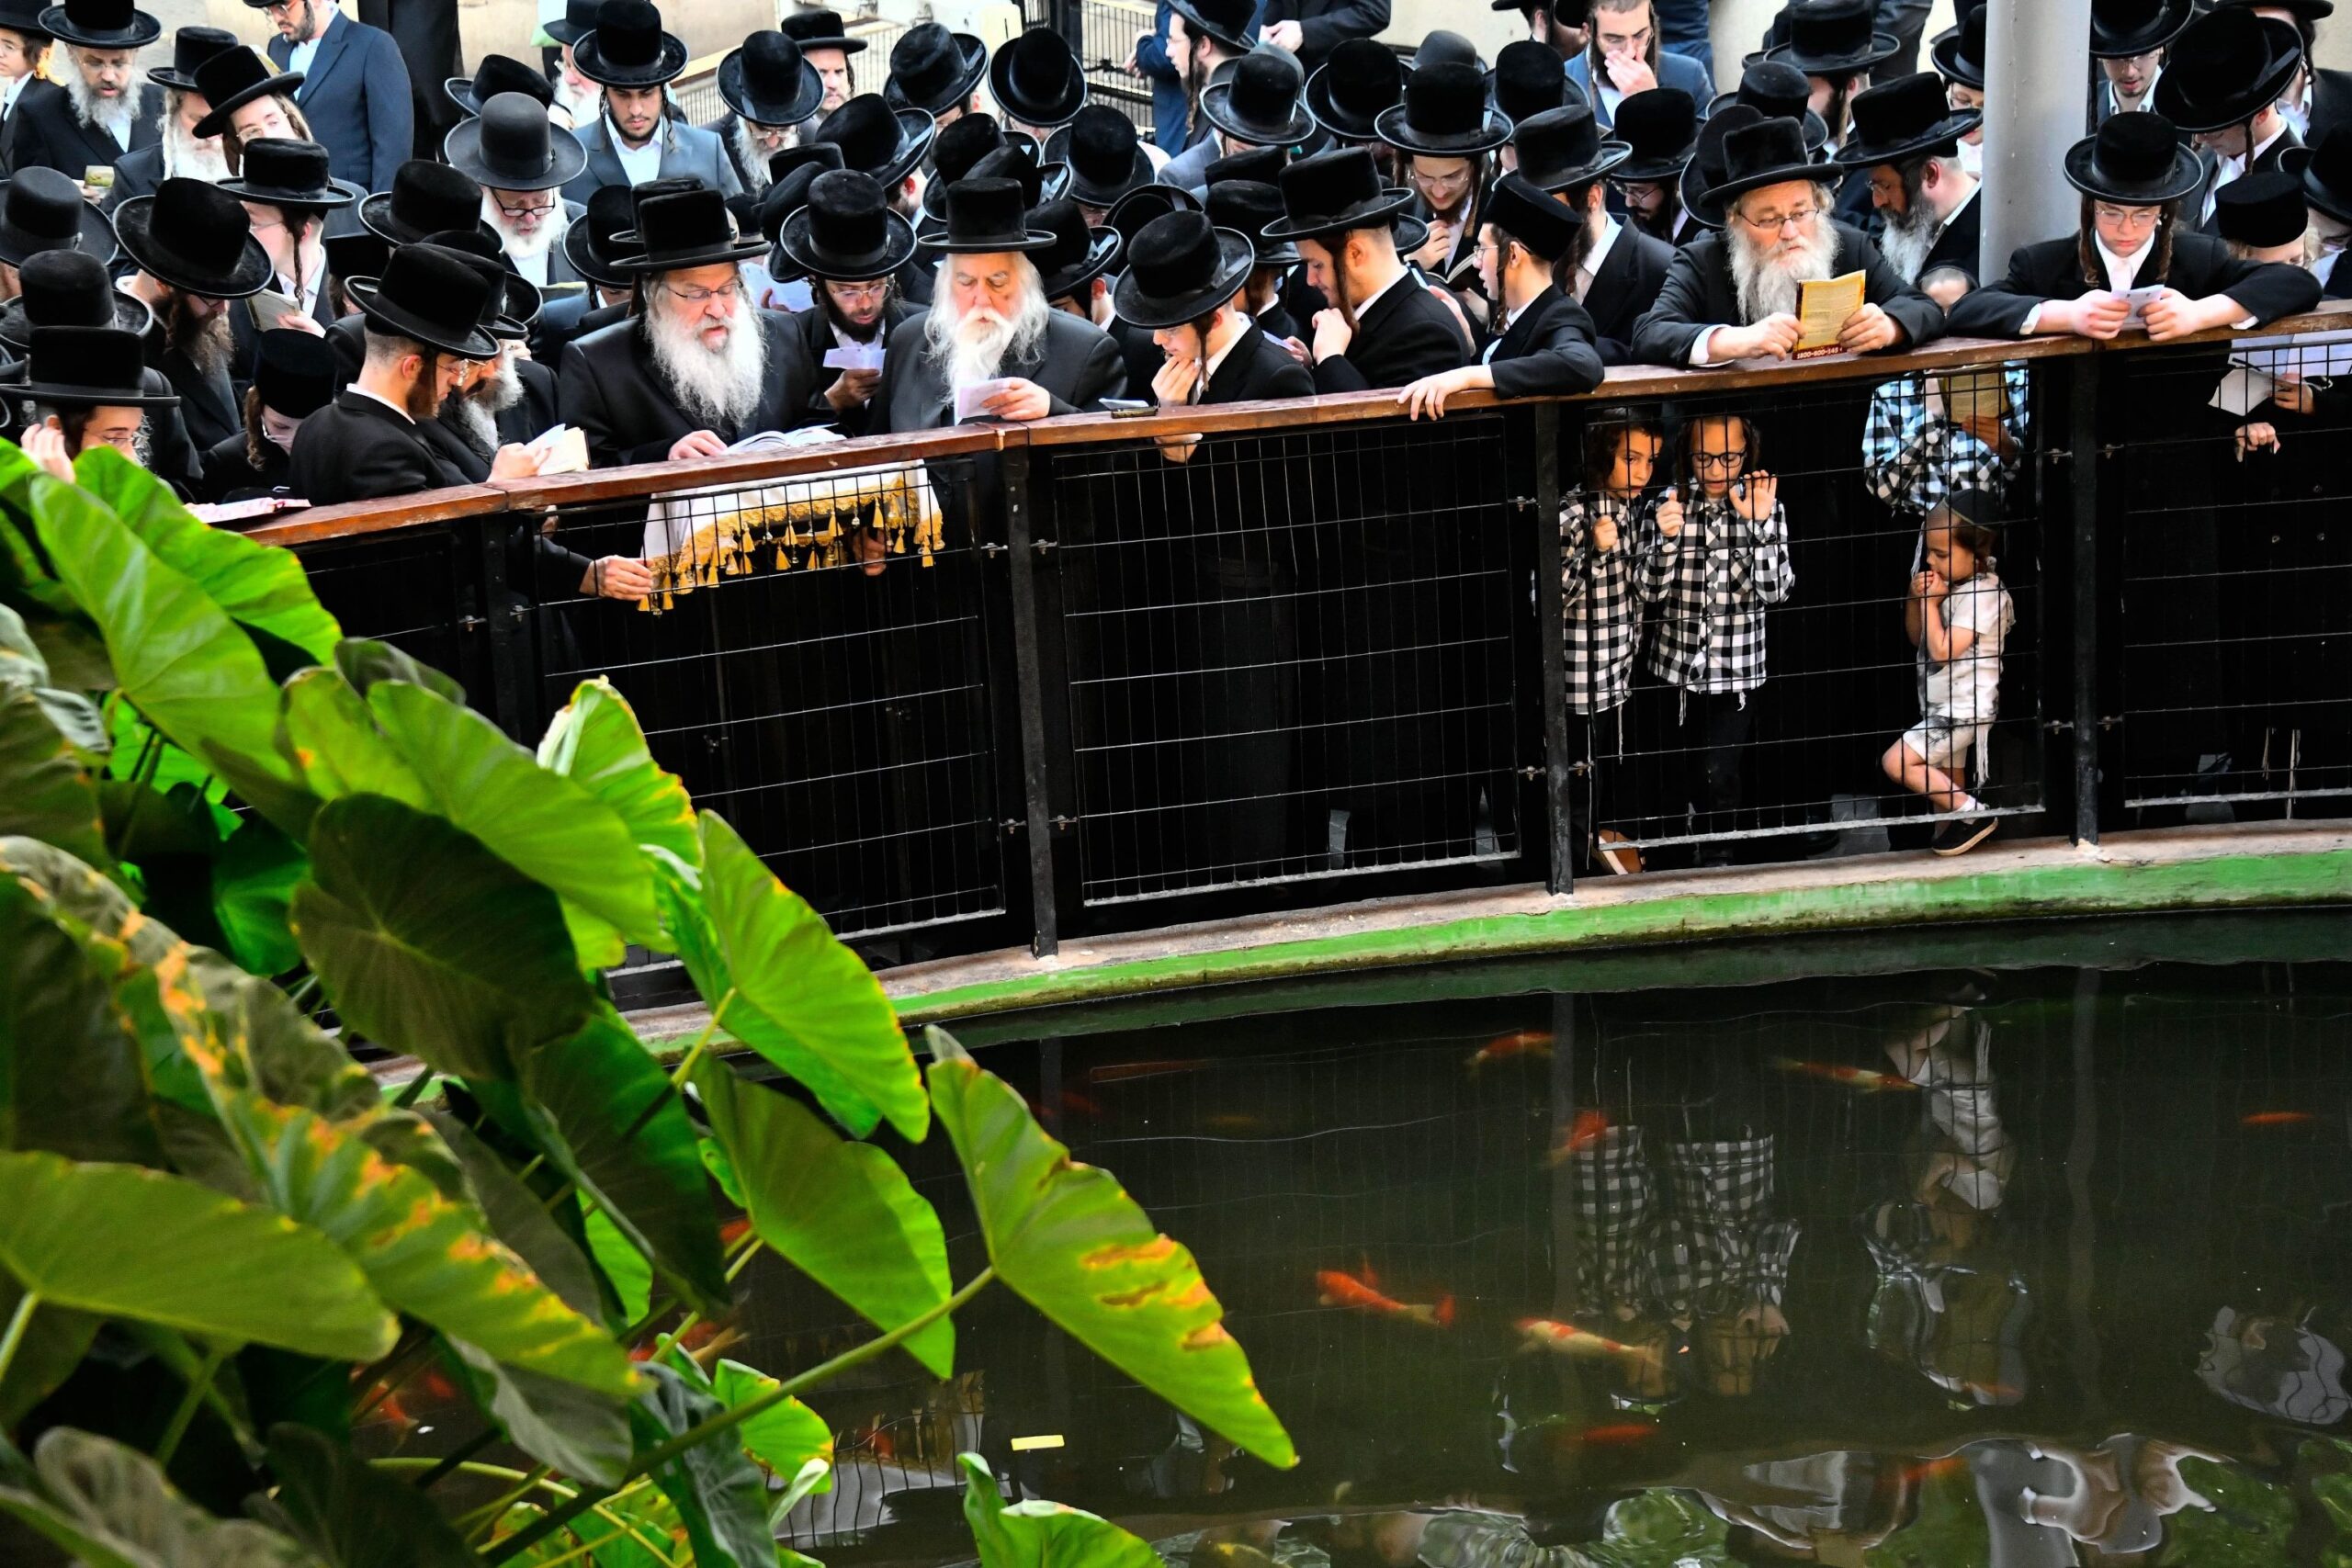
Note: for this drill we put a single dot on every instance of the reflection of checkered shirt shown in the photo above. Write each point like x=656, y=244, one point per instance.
x=1710, y=1247
x=1913, y=461
x=1603, y=622
x=1710, y=585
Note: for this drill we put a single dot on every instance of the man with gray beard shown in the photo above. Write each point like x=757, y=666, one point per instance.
x=701, y=367
x=180, y=152
x=102, y=114
x=1908, y=139
x=770, y=92
x=521, y=162
x=1733, y=295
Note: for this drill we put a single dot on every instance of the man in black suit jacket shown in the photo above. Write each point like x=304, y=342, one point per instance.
x=1311, y=29
x=26, y=46
x=1546, y=343
x=193, y=254
x=844, y=239
x=1384, y=329
x=102, y=112
x=1906, y=140
x=1612, y=268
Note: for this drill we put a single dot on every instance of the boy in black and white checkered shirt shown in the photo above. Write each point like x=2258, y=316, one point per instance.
x=1599, y=525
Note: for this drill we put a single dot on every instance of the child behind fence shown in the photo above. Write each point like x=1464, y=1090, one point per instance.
x=1959, y=615
x=1602, y=617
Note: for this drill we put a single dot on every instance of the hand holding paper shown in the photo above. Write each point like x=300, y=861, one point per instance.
x=1823, y=308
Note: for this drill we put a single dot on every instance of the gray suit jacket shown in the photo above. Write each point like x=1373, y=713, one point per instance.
x=685, y=150
x=1079, y=365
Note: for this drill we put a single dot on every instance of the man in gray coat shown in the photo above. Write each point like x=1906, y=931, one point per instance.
x=634, y=141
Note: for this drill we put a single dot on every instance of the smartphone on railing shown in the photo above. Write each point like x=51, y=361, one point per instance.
x=1128, y=407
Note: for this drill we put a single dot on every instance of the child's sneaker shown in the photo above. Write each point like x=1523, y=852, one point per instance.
x=1961, y=834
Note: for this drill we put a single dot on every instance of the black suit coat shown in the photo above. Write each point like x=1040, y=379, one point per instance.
x=540, y=407
x=1549, y=349
x=2267, y=162
x=34, y=91
x=1078, y=364
x=1324, y=25
x=2339, y=281
x=229, y=475
x=209, y=404
x=1698, y=294
x=360, y=100
x=818, y=337
x=357, y=449
x=606, y=384
x=1406, y=335
x=569, y=315
x=1626, y=285
x=1962, y=241
x=135, y=174
x=45, y=132
x=1257, y=367
x=2202, y=267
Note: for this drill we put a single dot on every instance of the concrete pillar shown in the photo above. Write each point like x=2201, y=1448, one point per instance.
x=2037, y=64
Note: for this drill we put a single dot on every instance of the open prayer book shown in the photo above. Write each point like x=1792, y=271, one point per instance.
x=1822, y=309
x=560, y=449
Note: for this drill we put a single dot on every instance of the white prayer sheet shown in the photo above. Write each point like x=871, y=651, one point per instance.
x=854, y=357
x=969, y=400
x=2139, y=298
x=2241, y=391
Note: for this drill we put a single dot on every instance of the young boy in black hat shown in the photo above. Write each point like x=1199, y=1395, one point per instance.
x=83, y=387
x=294, y=376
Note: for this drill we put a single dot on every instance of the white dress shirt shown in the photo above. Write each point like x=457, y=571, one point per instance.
x=2228, y=169
x=388, y=402
x=1589, y=268
x=639, y=164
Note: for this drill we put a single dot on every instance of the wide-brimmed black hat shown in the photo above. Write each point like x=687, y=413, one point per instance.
x=819, y=29
x=234, y=78
x=955, y=152
x=514, y=302
x=294, y=371
x=1335, y=191
x=41, y=210
x=2227, y=67
x=425, y=198
x=100, y=24
x=432, y=295
x=787, y=194
x=2122, y=28
x=362, y=252
x=765, y=81
x=497, y=73
x=1527, y=80
x=194, y=235
x=512, y=145
x=1959, y=52
x=684, y=229
x=1445, y=114
x=1039, y=182
x=985, y=216
x=1443, y=45
x=1563, y=148
x=1769, y=152
x=1529, y=215
x=1263, y=164
x=1037, y=80
x=68, y=289
x=1357, y=81
x=846, y=232
x=589, y=246
x=1246, y=207
x=1259, y=102
x=1905, y=118
x=1105, y=156
x=86, y=368
x=2261, y=209
x=1774, y=88
x=1661, y=126
x=934, y=70
x=1183, y=267
x=1078, y=254
x=628, y=47
x=23, y=17
x=1231, y=22
x=1706, y=164
x=2137, y=159
x=1131, y=211
x=2325, y=168
x=286, y=171
x=1832, y=37
x=579, y=19
x=191, y=46
x=878, y=140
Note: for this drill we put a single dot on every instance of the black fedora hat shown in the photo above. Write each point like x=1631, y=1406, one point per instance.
x=1036, y=79
x=1263, y=164
x=23, y=17
x=234, y=78
x=579, y=19
x=846, y=232
x=1260, y=103
x=1140, y=205
x=425, y=198
x=1706, y=165
x=1105, y=156
x=1661, y=126
x=1246, y=207
x=2122, y=28
x=960, y=144
x=1775, y=88
x=2136, y=159
x=68, y=289
x=514, y=302
x=765, y=81
x=1183, y=267
x=1527, y=80
x=497, y=73
x=1078, y=254
x=687, y=228
x=934, y=70
x=362, y=252
x=286, y=171
x=1442, y=46
x=590, y=245
x=1529, y=215
x=1959, y=52
x=1232, y=23
x=787, y=194
x=1445, y=114
x=819, y=28
x=2227, y=67
x=432, y=295
x=2324, y=169
x=1015, y=161
x=824, y=155
x=986, y=215
x=1832, y=37
x=628, y=47
x=1906, y=118
x=1357, y=82
x=2262, y=209
x=194, y=236
x=1563, y=148
x=512, y=145
x=293, y=371
x=878, y=140
x=41, y=210
x=1335, y=191
x=1769, y=152
x=191, y=46
x=85, y=367
x=100, y=24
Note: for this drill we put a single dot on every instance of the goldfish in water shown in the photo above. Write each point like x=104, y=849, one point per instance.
x=1623, y=1433
x=1334, y=1288
x=1543, y=1333
x=1119, y=1072
x=1931, y=1469
x=1588, y=1129
x=2277, y=1119
x=1525, y=1042
x=1861, y=1078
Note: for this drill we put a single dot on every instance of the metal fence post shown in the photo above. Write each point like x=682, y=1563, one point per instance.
x=509, y=622
x=2082, y=440
x=1036, y=770
x=1558, y=766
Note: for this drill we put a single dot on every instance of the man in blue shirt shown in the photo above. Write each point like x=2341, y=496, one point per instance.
x=1624, y=54
x=1172, y=108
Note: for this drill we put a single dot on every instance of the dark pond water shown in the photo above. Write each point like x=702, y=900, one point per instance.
x=1968, y=1264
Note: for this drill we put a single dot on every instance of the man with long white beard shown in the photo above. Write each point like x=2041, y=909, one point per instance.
x=181, y=151
x=195, y=254
x=1908, y=139
x=1733, y=295
x=770, y=91
x=520, y=160
x=101, y=116
x=509, y=399
x=991, y=346
x=701, y=367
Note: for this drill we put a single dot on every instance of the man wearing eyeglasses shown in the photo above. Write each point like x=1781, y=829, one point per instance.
x=701, y=366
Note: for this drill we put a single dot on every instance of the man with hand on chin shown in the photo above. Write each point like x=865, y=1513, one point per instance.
x=1185, y=286
x=1546, y=343
x=1384, y=328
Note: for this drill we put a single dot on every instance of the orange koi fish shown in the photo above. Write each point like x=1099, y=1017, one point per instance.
x=1543, y=1333
x=1335, y=1288
x=1119, y=1072
x=2277, y=1119
x=1623, y=1433
x=1588, y=1129
x=732, y=1231
x=1929, y=1469
x=1861, y=1078
x=1526, y=1043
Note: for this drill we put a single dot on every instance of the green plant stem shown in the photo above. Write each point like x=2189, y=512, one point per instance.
x=199, y=1386
x=304, y=989
x=600, y=1506
x=150, y=756
x=412, y=1091
x=22, y=1319
x=458, y=1456
x=703, y=1431
x=686, y=1065
x=484, y=1519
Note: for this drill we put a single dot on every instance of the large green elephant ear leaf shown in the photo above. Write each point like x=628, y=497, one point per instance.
x=597, y=743
x=363, y=662
x=1069, y=1240
x=1041, y=1534
x=355, y=1516
x=716, y=1490
x=72, y=1070
x=109, y=1506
